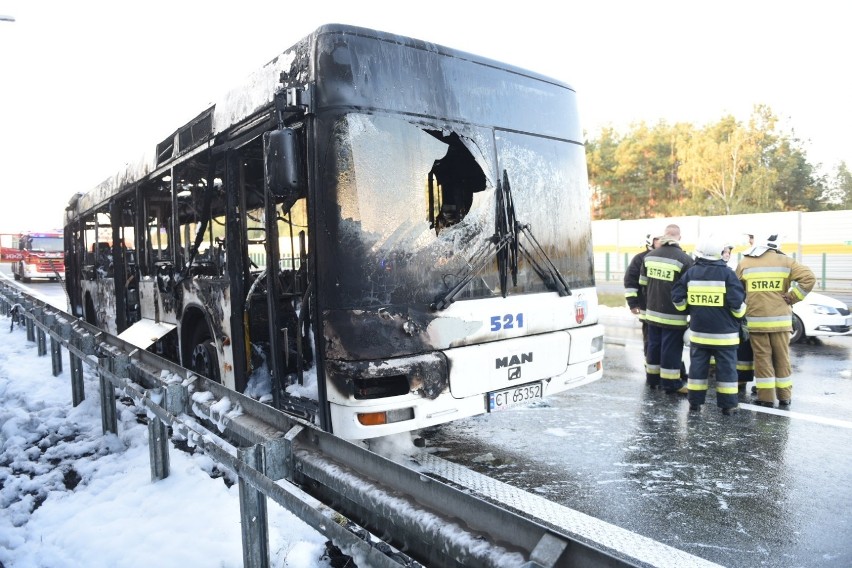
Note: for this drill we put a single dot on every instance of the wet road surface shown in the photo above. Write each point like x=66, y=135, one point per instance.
x=765, y=487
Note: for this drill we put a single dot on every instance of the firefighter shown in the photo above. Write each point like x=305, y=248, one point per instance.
x=661, y=268
x=633, y=292
x=714, y=298
x=773, y=282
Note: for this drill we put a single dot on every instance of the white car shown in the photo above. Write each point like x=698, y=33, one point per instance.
x=820, y=315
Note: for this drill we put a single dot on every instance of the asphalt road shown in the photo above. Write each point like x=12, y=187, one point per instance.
x=50, y=292
x=765, y=487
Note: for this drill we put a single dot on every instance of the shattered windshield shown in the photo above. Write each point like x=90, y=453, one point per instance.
x=409, y=207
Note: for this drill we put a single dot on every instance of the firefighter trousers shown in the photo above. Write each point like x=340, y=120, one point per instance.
x=726, y=375
x=745, y=362
x=772, y=372
x=664, y=357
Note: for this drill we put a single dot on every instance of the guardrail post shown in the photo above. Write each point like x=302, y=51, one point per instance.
x=109, y=420
x=78, y=393
x=158, y=444
x=56, y=356
x=175, y=401
x=279, y=455
x=253, y=520
x=41, y=342
x=49, y=320
x=30, y=328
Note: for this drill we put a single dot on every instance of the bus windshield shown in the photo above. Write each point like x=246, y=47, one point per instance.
x=415, y=208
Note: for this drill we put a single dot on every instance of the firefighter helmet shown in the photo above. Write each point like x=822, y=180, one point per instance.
x=710, y=247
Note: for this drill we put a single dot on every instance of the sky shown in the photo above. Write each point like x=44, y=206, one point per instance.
x=89, y=86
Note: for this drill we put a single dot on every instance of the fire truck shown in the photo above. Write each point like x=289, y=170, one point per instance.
x=9, y=247
x=40, y=255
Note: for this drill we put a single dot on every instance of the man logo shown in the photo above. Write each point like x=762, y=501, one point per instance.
x=514, y=373
x=501, y=362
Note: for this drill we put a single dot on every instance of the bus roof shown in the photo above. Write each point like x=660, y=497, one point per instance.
x=255, y=96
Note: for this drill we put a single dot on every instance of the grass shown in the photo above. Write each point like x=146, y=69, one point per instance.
x=611, y=300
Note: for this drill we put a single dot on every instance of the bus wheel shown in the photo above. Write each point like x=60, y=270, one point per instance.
x=16, y=275
x=204, y=359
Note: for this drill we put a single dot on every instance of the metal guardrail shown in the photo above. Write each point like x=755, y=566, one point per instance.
x=298, y=466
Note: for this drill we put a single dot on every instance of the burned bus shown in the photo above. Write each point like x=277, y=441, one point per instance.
x=376, y=232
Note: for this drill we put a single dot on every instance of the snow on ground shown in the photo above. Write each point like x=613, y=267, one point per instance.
x=72, y=497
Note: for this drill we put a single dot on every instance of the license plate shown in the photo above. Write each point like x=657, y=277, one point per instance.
x=498, y=400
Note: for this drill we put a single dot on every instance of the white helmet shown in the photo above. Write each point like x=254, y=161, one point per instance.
x=710, y=247
x=764, y=242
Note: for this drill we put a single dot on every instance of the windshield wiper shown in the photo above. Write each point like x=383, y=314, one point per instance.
x=506, y=245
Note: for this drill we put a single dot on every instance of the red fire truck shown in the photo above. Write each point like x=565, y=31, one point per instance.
x=9, y=247
x=39, y=255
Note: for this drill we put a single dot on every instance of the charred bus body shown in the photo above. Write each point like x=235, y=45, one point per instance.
x=376, y=231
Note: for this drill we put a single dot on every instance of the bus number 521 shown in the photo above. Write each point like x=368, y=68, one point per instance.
x=508, y=321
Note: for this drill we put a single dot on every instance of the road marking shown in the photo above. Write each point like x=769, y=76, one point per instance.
x=798, y=415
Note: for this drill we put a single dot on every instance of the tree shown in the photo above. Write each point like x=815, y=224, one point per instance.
x=723, y=168
x=722, y=165
x=837, y=193
x=600, y=159
x=797, y=186
x=635, y=176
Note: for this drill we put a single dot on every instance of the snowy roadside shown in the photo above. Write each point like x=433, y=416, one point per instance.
x=72, y=497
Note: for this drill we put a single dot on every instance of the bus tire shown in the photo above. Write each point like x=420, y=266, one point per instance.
x=204, y=358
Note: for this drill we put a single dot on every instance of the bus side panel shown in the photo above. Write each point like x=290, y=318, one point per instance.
x=99, y=303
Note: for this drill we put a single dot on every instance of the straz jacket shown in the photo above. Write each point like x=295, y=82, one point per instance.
x=660, y=270
x=715, y=300
x=767, y=278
